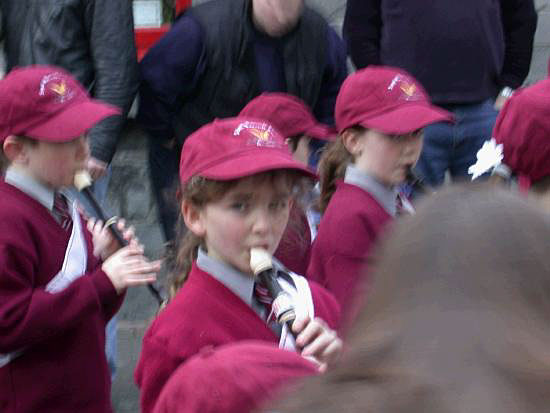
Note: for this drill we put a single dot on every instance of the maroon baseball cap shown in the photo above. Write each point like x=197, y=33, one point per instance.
x=523, y=129
x=289, y=114
x=234, y=148
x=386, y=99
x=237, y=377
x=46, y=103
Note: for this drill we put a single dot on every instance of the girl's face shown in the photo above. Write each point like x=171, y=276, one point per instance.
x=387, y=157
x=254, y=213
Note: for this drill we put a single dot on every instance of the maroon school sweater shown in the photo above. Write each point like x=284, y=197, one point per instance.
x=349, y=228
x=61, y=336
x=295, y=246
x=205, y=313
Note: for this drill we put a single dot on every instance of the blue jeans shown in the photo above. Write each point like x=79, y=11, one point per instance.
x=453, y=147
x=99, y=189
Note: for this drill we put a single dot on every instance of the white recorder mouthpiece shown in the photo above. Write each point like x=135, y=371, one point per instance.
x=260, y=260
x=82, y=179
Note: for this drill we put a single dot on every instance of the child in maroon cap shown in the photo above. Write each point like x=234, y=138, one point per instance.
x=380, y=113
x=237, y=178
x=59, y=282
x=234, y=378
x=520, y=145
x=294, y=120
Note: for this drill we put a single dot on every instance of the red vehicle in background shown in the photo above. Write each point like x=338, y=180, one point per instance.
x=146, y=37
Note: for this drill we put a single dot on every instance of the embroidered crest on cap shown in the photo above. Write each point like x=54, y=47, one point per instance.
x=261, y=134
x=406, y=86
x=56, y=83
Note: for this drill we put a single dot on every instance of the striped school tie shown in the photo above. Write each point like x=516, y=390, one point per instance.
x=403, y=205
x=263, y=297
x=61, y=211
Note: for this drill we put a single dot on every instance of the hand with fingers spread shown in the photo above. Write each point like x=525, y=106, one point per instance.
x=317, y=340
x=104, y=243
x=129, y=267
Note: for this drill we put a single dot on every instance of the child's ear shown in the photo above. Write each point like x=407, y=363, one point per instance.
x=193, y=218
x=14, y=150
x=352, y=141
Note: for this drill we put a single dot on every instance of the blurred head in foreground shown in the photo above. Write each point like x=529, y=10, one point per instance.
x=458, y=319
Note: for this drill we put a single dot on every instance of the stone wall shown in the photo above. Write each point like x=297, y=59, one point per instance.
x=130, y=196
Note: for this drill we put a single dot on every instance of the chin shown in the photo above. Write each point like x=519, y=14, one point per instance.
x=245, y=269
x=399, y=178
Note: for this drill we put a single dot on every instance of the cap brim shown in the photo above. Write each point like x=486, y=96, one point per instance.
x=322, y=132
x=250, y=163
x=407, y=118
x=73, y=121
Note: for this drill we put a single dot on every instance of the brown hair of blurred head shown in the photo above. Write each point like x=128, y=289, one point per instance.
x=458, y=316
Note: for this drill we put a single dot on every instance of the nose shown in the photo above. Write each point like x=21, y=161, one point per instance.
x=413, y=146
x=261, y=222
x=83, y=149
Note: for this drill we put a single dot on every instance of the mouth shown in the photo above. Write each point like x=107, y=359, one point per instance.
x=262, y=246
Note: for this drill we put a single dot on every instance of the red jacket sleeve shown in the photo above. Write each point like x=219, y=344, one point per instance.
x=29, y=313
x=326, y=306
x=155, y=366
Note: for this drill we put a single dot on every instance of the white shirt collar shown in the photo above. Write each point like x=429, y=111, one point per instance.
x=242, y=285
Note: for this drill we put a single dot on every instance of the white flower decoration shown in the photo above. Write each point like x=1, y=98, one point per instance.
x=488, y=157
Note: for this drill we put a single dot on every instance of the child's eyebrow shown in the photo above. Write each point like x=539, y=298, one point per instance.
x=241, y=196
x=282, y=194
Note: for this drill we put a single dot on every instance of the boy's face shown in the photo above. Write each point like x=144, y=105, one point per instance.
x=55, y=164
x=388, y=157
x=254, y=213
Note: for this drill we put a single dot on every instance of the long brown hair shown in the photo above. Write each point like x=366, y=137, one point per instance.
x=458, y=318
x=200, y=191
x=332, y=167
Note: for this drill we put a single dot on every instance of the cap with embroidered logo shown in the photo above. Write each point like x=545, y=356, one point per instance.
x=234, y=148
x=289, y=114
x=46, y=103
x=386, y=99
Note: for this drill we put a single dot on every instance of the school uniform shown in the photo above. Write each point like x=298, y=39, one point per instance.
x=357, y=213
x=295, y=246
x=54, y=304
x=237, y=377
x=214, y=307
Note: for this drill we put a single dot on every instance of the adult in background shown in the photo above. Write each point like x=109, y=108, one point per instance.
x=466, y=55
x=215, y=59
x=94, y=41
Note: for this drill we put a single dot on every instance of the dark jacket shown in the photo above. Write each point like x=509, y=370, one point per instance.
x=92, y=39
x=200, y=70
x=2, y=57
x=461, y=51
x=232, y=78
